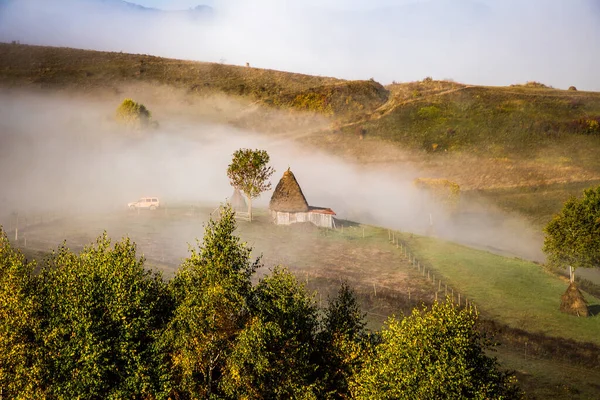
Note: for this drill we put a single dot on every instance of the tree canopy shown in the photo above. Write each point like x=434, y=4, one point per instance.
x=573, y=235
x=249, y=172
x=433, y=354
x=133, y=114
x=98, y=324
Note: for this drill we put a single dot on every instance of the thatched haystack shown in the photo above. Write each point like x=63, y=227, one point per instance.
x=573, y=302
x=288, y=196
x=237, y=201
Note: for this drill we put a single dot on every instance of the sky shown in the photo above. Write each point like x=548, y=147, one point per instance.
x=489, y=42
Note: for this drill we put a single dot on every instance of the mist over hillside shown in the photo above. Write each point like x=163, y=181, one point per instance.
x=481, y=42
x=73, y=158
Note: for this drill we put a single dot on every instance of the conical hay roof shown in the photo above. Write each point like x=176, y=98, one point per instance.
x=573, y=302
x=288, y=196
x=237, y=201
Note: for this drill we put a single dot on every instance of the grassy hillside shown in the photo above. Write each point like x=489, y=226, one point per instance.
x=526, y=148
x=59, y=68
x=517, y=292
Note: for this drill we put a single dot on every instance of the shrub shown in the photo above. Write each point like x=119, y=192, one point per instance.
x=573, y=88
x=428, y=112
x=133, y=114
x=586, y=125
x=533, y=84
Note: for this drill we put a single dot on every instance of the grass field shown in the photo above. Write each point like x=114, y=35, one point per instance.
x=517, y=292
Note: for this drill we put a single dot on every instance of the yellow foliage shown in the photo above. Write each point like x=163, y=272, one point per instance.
x=133, y=114
x=443, y=190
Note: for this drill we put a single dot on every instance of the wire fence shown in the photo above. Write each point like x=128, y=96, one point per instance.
x=442, y=290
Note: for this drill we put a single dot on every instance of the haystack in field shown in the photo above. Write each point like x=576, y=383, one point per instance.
x=573, y=302
x=237, y=201
x=288, y=205
x=288, y=196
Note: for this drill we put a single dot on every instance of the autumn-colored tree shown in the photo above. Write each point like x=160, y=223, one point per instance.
x=20, y=367
x=132, y=114
x=573, y=235
x=211, y=292
x=102, y=313
x=434, y=353
x=249, y=172
x=272, y=357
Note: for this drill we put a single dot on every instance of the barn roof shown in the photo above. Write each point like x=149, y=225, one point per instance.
x=288, y=196
x=321, y=210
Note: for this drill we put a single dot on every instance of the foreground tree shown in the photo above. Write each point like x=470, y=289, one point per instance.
x=342, y=340
x=102, y=314
x=249, y=172
x=20, y=369
x=272, y=357
x=432, y=354
x=211, y=292
x=573, y=236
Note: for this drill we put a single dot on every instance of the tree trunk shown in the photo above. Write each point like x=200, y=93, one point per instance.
x=249, y=208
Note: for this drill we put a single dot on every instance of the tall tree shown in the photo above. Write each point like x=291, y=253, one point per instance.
x=432, y=354
x=102, y=314
x=341, y=342
x=211, y=292
x=573, y=235
x=272, y=357
x=20, y=369
x=249, y=172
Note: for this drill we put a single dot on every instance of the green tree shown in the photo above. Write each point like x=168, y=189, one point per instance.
x=211, y=292
x=432, y=354
x=250, y=173
x=102, y=314
x=573, y=235
x=272, y=357
x=20, y=369
x=341, y=342
x=132, y=114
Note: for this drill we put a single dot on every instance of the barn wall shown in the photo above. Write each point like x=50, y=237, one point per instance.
x=286, y=218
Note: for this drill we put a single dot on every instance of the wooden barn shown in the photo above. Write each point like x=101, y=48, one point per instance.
x=288, y=205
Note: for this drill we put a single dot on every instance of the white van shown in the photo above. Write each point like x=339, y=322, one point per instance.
x=150, y=203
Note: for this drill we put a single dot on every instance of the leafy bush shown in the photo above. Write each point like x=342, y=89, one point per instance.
x=586, y=125
x=133, y=114
x=532, y=84
x=429, y=112
x=434, y=353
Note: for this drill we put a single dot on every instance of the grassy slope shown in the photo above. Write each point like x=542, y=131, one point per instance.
x=58, y=68
x=516, y=292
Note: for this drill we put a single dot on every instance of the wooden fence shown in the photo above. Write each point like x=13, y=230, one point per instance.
x=440, y=287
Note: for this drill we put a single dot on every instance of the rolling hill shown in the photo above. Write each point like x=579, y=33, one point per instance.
x=522, y=145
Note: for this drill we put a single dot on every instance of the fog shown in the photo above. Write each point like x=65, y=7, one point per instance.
x=65, y=153
x=473, y=41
